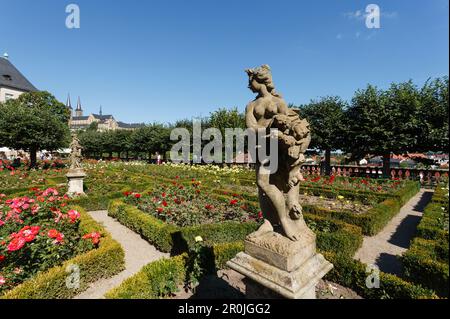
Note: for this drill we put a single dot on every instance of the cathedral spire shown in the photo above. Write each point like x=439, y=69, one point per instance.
x=100, y=111
x=69, y=103
x=79, y=105
x=79, y=110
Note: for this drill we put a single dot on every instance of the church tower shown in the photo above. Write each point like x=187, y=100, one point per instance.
x=69, y=105
x=78, y=110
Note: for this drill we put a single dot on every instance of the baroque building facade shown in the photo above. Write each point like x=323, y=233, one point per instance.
x=79, y=121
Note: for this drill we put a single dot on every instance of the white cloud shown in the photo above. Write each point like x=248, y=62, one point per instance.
x=362, y=14
x=358, y=15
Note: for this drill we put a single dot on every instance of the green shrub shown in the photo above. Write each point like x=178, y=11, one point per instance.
x=426, y=261
x=103, y=262
x=352, y=273
x=153, y=230
x=158, y=279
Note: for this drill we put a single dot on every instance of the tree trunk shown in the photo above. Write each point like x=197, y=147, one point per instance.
x=386, y=165
x=33, y=159
x=149, y=157
x=328, y=162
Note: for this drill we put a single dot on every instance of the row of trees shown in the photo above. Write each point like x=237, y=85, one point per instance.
x=402, y=118
x=152, y=138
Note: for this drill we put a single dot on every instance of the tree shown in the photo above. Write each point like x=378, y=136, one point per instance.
x=150, y=139
x=326, y=119
x=92, y=142
x=33, y=122
x=226, y=118
x=380, y=122
x=433, y=116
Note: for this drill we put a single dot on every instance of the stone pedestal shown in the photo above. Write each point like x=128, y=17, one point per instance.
x=277, y=267
x=75, y=179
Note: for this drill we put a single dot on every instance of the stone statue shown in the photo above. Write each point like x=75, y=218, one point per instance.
x=278, y=192
x=75, y=154
x=280, y=258
x=76, y=174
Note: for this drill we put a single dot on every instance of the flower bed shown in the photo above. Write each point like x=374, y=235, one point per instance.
x=38, y=233
x=103, y=262
x=189, y=205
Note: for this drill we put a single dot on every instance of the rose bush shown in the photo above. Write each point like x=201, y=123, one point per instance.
x=37, y=232
x=188, y=205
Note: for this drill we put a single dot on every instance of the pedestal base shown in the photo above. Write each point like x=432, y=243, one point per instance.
x=278, y=267
x=75, y=182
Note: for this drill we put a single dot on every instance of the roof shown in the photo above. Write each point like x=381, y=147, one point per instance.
x=102, y=117
x=132, y=125
x=80, y=118
x=12, y=78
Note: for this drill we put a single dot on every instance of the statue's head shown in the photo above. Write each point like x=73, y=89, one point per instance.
x=258, y=77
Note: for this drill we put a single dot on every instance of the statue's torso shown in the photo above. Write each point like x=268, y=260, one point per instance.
x=265, y=108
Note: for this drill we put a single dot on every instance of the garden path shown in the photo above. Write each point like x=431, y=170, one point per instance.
x=138, y=253
x=394, y=239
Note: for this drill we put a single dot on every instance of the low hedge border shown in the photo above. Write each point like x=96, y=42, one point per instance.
x=102, y=262
x=169, y=238
x=426, y=261
x=403, y=194
x=155, y=280
x=162, y=278
x=352, y=274
x=370, y=222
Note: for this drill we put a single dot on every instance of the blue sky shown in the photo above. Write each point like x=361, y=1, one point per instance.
x=146, y=61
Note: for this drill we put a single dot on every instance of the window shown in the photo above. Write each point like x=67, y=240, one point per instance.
x=9, y=96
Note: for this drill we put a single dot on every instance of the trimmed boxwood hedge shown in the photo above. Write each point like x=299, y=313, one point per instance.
x=161, y=278
x=352, y=274
x=370, y=222
x=103, y=262
x=151, y=229
x=426, y=262
x=155, y=280
x=170, y=238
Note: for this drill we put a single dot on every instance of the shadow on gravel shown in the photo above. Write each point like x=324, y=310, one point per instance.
x=406, y=231
x=390, y=264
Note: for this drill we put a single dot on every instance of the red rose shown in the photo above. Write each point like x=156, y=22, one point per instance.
x=2, y=258
x=233, y=202
x=52, y=233
x=137, y=195
x=16, y=244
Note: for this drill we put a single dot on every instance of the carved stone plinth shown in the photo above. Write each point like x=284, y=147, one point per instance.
x=277, y=267
x=75, y=179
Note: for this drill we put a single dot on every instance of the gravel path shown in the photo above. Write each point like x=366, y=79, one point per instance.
x=394, y=239
x=138, y=253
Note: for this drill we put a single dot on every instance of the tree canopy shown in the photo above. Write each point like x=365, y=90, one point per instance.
x=33, y=122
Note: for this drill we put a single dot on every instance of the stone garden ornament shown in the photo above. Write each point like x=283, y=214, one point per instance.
x=280, y=258
x=76, y=174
